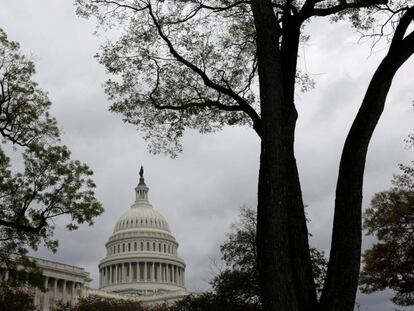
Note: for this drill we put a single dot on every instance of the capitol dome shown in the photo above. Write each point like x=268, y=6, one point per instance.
x=141, y=257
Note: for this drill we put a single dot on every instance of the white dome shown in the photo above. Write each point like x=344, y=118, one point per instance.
x=141, y=257
x=141, y=217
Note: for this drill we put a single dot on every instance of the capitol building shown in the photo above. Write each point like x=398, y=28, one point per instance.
x=141, y=254
x=141, y=262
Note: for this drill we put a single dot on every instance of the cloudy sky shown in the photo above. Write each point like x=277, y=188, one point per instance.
x=202, y=190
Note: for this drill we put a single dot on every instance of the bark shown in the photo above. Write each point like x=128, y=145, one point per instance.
x=275, y=270
x=298, y=232
x=284, y=260
x=344, y=262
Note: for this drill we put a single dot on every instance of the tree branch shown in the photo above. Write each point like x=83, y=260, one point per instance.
x=401, y=29
x=309, y=9
x=242, y=103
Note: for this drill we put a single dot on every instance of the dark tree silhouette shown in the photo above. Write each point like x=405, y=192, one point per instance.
x=203, y=64
x=50, y=184
x=389, y=263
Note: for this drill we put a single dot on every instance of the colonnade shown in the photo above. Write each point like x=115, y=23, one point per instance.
x=132, y=272
x=58, y=290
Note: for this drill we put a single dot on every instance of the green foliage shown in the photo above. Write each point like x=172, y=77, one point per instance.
x=101, y=304
x=208, y=302
x=111, y=304
x=390, y=262
x=193, y=64
x=24, y=107
x=50, y=183
x=14, y=298
x=180, y=64
x=238, y=284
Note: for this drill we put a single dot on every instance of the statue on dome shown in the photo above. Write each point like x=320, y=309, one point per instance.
x=141, y=172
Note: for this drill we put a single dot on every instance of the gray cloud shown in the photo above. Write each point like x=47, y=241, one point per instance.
x=201, y=191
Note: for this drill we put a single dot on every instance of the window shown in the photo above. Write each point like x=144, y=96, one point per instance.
x=119, y=248
x=135, y=246
x=142, y=246
x=159, y=247
x=148, y=246
x=129, y=247
x=169, y=249
x=165, y=248
x=123, y=247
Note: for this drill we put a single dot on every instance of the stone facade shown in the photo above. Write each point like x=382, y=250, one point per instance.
x=63, y=283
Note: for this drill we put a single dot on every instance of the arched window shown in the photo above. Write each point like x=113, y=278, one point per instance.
x=123, y=247
x=142, y=246
x=129, y=247
x=135, y=246
x=119, y=248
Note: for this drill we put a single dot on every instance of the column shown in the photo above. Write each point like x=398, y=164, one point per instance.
x=130, y=272
x=116, y=274
x=108, y=275
x=72, y=297
x=159, y=272
x=145, y=271
x=55, y=289
x=46, y=295
x=153, y=272
x=125, y=277
x=82, y=290
x=165, y=272
x=64, y=291
x=175, y=274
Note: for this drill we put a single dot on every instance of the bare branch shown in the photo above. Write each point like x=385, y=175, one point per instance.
x=309, y=9
x=243, y=105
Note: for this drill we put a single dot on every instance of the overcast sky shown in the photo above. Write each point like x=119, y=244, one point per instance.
x=202, y=190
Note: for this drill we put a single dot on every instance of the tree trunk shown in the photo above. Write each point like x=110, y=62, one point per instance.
x=274, y=265
x=284, y=265
x=298, y=232
x=344, y=263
